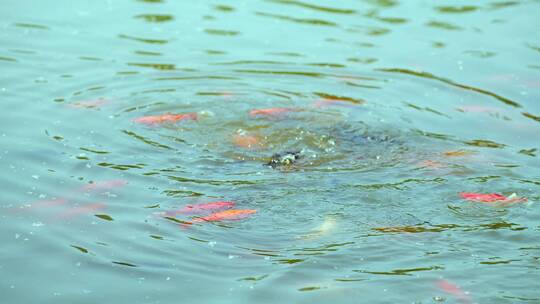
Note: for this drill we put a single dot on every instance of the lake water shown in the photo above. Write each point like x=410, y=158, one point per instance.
x=401, y=120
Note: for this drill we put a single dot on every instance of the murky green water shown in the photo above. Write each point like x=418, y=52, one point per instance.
x=393, y=109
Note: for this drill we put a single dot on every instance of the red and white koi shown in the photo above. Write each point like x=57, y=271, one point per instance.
x=165, y=118
x=492, y=197
x=455, y=291
x=201, y=208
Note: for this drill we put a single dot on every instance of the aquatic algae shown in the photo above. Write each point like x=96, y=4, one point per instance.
x=232, y=214
x=164, y=118
x=457, y=153
x=334, y=100
x=198, y=208
x=271, y=112
x=454, y=290
x=491, y=197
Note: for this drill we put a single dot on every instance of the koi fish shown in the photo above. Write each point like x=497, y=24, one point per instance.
x=76, y=211
x=89, y=104
x=431, y=164
x=232, y=214
x=198, y=208
x=164, y=118
x=104, y=185
x=271, y=112
x=48, y=203
x=321, y=103
x=491, y=197
x=454, y=290
x=39, y=204
x=246, y=141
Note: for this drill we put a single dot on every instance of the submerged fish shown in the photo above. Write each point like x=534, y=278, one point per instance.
x=491, y=197
x=454, y=290
x=80, y=210
x=326, y=102
x=246, y=141
x=271, y=111
x=198, y=208
x=232, y=214
x=104, y=185
x=89, y=104
x=164, y=118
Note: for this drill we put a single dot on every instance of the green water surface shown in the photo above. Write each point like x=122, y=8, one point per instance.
x=394, y=106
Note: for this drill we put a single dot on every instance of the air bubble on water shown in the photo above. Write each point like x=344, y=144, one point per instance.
x=212, y=243
x=37, y=224
x=88, y=165
x=17, y=235
x=167, y=278
x=35, y=176
x=42, y=196
x=231, y=256
x=78, y=264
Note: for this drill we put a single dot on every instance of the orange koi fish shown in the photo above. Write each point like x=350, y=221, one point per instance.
x=246, y=141
x=104, y=185
x=454, y=290
x=271, y=112
x=232, y=214
x=164, y=118
x=198, y=208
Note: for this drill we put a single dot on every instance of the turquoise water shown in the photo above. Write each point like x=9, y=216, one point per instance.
x=394, y=108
